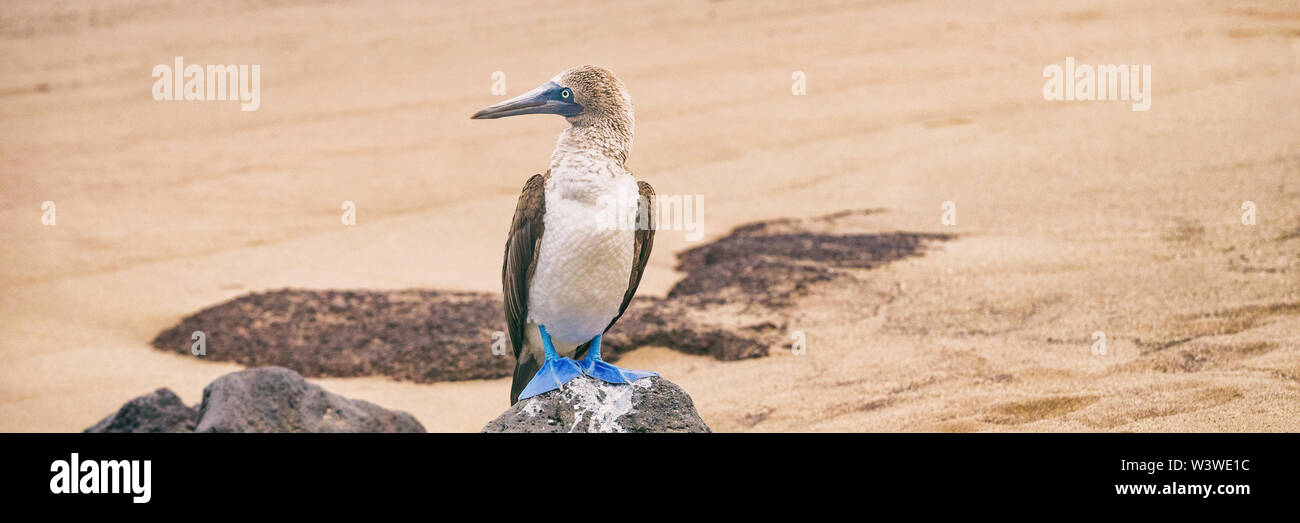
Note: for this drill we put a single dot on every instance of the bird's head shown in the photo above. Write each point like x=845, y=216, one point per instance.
x=585, y=95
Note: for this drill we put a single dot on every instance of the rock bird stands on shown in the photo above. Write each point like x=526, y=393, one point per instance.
x=573, y=259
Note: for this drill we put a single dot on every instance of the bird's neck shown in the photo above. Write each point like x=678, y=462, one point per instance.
x=588, y=144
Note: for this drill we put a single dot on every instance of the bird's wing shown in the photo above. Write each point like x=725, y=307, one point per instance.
x=517, y=271
x=645, y=240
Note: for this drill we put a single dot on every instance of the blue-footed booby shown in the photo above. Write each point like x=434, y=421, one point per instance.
x=570, y=271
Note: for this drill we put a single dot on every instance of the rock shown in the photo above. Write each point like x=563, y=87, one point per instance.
x=276, y=399
x=159, y=411
x=588, y=405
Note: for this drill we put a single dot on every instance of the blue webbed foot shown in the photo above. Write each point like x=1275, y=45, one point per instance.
x=607, y=372
x=597, y=368
x=553, y=374
x=555, y=371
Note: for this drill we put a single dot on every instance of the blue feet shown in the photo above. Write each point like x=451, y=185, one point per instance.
x=551, y=376
x=555, y=371
x=558, y=370
x=597, y=368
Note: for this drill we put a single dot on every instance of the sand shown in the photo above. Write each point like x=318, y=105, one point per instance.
x=1072, y=217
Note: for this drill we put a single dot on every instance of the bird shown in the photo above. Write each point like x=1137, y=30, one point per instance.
x=580, y=238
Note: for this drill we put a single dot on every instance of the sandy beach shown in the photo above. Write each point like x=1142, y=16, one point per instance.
x=1072, y=218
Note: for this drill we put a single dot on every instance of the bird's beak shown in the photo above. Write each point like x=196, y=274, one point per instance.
x=546, y=99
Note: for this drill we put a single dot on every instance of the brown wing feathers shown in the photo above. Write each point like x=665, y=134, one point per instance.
x=517, y=271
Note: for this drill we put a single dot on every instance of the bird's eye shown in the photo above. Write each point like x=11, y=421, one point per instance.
x=565, y=94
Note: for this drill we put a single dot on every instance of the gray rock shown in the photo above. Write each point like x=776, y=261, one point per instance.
x=158, y=411
x=588, y=405
x=276, y=399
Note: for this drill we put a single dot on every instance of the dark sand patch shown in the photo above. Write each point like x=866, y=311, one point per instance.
x=733, y=303
x=1158, y=402
x=771, y=263
x=1197, y=357
x=1017, y=412
x=413, y=335
x=1217, y=323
